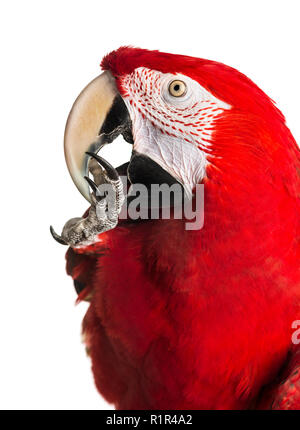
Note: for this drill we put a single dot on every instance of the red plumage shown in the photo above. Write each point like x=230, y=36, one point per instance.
x=202, y=319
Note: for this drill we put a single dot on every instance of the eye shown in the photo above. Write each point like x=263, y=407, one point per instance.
x=177, y=88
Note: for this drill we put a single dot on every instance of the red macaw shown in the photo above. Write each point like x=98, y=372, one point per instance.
x=188, y=319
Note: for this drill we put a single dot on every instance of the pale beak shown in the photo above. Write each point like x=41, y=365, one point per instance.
x=96, y=118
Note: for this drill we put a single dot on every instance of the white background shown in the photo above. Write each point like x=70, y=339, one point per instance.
x=49, y=51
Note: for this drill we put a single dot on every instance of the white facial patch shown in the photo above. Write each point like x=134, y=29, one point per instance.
x=173, y=131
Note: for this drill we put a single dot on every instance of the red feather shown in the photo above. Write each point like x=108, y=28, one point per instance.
x=202, y=319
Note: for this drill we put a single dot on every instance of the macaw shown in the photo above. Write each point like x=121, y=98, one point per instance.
x=178, y=318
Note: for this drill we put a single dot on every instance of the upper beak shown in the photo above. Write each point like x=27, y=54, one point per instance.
x=97, y=117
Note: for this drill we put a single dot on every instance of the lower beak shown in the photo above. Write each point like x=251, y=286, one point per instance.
x=97, y=117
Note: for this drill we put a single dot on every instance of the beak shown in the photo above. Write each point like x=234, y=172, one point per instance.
x=97, y=117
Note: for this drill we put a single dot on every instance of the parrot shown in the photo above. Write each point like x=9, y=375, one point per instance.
x=187, y=319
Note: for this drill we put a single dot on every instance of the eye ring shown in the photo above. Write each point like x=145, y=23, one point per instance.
x=177, y=88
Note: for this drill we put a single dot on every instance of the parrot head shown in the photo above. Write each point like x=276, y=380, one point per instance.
x=189, y=120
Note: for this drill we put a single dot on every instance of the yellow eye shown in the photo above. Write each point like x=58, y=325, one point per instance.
x=177, y=88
